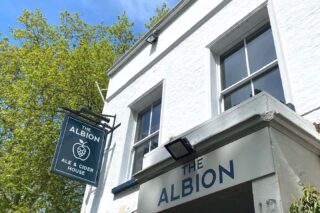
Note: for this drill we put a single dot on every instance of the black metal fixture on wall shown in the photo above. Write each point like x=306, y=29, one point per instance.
x=153, y=37
x=179, y=148
x=97, y=119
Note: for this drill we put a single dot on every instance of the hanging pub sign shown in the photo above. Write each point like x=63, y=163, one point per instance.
x=80, y=150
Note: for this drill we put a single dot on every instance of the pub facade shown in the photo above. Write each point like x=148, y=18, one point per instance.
x=219, y=107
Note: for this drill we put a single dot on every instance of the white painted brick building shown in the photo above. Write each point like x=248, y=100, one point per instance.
x=188, y=75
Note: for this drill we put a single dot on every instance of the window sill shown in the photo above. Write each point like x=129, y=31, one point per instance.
x=124, y=186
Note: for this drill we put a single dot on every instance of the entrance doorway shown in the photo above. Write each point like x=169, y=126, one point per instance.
x=238, y=199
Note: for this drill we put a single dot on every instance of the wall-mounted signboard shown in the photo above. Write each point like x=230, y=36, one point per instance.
x=80, y=150
x=243, y=160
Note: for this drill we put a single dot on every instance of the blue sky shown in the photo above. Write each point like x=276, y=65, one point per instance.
x=92, y=11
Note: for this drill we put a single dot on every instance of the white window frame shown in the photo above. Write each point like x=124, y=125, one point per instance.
x=140, y=103
x=230, y=37
x=250, y=76
x=150, y=135
x=137, y=143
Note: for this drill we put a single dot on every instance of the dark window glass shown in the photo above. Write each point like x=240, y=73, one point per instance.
x=152, y=115
x=144, y=124
x=261, y=51
x=155, y=122
x=138, y=158
x=271, y=83
x=154, y=142
x=237, y=96
x=143, y=149
x=257, y=51
x=146, y=146
x=233, y=67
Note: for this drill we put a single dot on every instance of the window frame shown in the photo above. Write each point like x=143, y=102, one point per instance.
x=243, y=42
x=137, y=143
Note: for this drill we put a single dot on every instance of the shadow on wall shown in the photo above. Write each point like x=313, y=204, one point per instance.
x=153, y=47
x=98, y=191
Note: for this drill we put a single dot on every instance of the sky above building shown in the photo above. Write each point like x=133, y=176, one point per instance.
x=91, y=11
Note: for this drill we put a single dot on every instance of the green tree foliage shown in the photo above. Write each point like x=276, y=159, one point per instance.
x=308, y=203
x=161, y=12
x=122, y=38
x=52, y=66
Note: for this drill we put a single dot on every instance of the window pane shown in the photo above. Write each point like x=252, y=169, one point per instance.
x=233, y=68
x=144, y=120
x=154, y=142
x=237, y=96
x=138, y=159
x=271, y=83
x=261, y=51
x=140, y=151
x=146, y=146
x=155, y=118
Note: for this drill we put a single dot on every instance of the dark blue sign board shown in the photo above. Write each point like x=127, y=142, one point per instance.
x=80, y=150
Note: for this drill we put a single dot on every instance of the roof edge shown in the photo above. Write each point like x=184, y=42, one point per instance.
x=163, y=23
x=251, y=115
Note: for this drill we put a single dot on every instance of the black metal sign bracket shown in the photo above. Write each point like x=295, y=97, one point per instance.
x=98, y=119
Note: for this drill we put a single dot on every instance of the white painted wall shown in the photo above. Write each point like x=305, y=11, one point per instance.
x=295, y=165
x=266, y=195
x=177, y=29
x=181, y=63
x=299, y=33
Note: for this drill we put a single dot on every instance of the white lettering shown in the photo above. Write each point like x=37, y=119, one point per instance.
x=78, y=171
x=84, y=134
x=89, y=169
